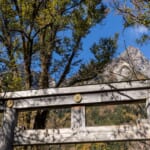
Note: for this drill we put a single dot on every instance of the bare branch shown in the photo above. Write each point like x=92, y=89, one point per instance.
x=67, y=67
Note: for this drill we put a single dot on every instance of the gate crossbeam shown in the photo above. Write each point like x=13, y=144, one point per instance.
x=140, y=131
x=76, y=98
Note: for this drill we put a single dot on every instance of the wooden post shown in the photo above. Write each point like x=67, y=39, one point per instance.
x=148, y=105
x=77, y=117
x=8, y=127
x=77, y=113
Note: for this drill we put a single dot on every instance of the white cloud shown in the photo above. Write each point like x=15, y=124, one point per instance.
x=133, y=33
x=140, y=29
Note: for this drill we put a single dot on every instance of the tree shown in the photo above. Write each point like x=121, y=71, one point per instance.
x=135, y=12
x=103, y=52
x=31, y=28
x=44, y=37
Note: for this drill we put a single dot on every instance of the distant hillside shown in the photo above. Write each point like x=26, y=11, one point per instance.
x=130, y=65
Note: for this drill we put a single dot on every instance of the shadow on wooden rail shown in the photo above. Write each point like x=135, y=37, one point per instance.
x=114, y=93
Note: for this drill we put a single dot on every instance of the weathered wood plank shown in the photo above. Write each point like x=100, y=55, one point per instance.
x=140, y=131
x=148, y=105
x=77, y=117
x=1, y=138
x=91, y=98
x=79, y=89
x=9, y=123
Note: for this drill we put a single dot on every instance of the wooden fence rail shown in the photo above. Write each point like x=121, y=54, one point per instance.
x=76, y=98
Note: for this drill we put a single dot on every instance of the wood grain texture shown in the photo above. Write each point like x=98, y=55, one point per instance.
x=2, y=144
x=148, y=104
x=78, y=89
x=140, y=131
x=77, y=117
x=7, y=134
x=114, y=93
x=87, y=99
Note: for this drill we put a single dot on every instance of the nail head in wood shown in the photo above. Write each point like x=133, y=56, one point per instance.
x=10, y=103
x=77, y=98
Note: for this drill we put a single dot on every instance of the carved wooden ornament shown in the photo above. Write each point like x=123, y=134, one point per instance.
x=10, y=103
x=77, y=98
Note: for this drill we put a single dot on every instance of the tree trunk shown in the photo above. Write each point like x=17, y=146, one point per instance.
x=27, y=74
x=44, y=77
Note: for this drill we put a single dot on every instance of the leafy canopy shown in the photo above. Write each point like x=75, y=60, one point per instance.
x=45, y=35
x=135, y=12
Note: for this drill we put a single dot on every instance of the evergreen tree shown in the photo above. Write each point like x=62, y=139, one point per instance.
x=46, y=35
x=135, y=13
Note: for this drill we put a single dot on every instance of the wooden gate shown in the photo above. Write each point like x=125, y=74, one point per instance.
x=77, y=98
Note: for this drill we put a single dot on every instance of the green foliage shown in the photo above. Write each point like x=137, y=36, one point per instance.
x=11, y=82
x=50, y=32
x=103, y=52
x=135, y=12
x=35, y=28
x=105, y=49
x=114, y=115
x=143, y=39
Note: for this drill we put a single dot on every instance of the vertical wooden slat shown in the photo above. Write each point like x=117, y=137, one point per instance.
x=77, y=117
x=8, y=126
x=148, y=105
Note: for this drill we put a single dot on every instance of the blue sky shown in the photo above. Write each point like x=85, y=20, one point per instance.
x=111, y=24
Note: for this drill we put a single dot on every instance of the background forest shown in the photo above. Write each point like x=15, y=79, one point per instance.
x=40, y=47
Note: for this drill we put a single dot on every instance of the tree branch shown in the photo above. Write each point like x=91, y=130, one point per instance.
x=22, y=32
x=68, y=65
x=71, y=7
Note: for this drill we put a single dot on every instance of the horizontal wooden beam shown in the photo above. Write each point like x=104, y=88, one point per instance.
x=78, y=89
x=87, y=99
x=140, y=131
